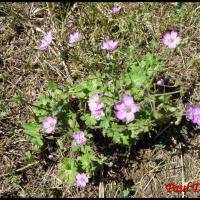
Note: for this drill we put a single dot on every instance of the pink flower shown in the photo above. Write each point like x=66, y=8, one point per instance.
x=160, y=82
x=98, y=114
x=52, y=155
x=193, y=114
x=79, y=137
x=49, y=124
x=126, y=109
x=109, y=45
x=115, y=9
x=81, y=180
x=171, y=39
x=74, y=37
x=96, y=106
x=46, y=41
x=94, y=102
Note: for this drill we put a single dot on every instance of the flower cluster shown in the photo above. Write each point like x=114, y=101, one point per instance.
x=170, y=38
x=125, y=109
x=193, y=114
x=96, y=107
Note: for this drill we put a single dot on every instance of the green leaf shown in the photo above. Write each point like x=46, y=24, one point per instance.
x=116, y=137
x=139, y=126
x=86, y=160
x=52, y=85
x=149, y=59
x=80, y=94
x=107, y=100
x=108, y=132
x=153, y=44
x=68, y=171
x=29, y=157
x=32, y=131
x=89, y=120
x=43, y=101
x=105, y=123
x=74, y=147
x=114, y=132
x=179, y=7
x=137, y=76
x=125, y=193
x=125, y=139
x=127, y=79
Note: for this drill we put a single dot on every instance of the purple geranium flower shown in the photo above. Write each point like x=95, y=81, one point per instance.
x=74, y=37
x=193, y=114
x=109, y=45
x=79, y=137
x=171, y=39
x=115, y=9
x=49, y=124
x=160, y=82
x=46, y=41
x=52, y=155
x=98, y=114
x=81, y=180
x=126, y=109
x=96, y=106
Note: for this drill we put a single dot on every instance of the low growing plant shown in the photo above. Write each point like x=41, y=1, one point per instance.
x=123, y=106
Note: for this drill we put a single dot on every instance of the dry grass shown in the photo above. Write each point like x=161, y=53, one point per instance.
x=24, y=71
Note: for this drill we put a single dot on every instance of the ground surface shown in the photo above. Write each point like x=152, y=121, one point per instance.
x=143, y=170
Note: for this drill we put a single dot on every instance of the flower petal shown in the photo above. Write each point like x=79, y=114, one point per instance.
x=130, y=117
x=134, y=108
x=48, y=38
x=119, y=106
x=120, y=115
x=174, y=34
x=128, y=100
